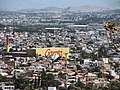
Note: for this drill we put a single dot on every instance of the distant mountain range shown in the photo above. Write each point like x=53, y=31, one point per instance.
x=84, y=8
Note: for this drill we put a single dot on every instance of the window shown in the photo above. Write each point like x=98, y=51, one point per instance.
x=12, y=87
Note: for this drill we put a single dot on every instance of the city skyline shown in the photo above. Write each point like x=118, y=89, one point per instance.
x=38, y=4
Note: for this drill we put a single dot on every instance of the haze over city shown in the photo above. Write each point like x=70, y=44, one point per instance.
x=59, y=45
x=38, y=4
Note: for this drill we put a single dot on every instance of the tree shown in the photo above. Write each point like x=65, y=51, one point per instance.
x=62, y=88
x=80, y=84
x=61, y=75
x=2, y=78
x=93, y=56
x=90, y=86
x=56, y=83
x=85, y=55
x=49, y=80
x=20, y=83
x=73, y=87
x=112, y=85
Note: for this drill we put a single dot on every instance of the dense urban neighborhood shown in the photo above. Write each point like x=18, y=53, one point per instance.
x=60, y=49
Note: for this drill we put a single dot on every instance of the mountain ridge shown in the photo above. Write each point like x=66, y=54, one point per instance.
x=85, y=8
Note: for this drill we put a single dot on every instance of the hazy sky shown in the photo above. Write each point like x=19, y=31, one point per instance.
x=29, y=4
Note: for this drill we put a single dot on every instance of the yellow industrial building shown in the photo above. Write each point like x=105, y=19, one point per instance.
x=49, y=52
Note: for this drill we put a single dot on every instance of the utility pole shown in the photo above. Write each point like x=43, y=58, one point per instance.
x=14, y=73
x=66, y=70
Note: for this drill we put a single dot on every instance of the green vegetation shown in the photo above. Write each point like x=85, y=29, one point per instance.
x=20, y=83
x=112, y=85
x=2, y=78
x=49, y=80
x=86, y=55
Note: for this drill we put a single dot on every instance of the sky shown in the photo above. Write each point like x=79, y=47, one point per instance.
x=37, y=4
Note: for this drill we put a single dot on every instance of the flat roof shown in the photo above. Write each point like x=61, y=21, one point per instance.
x=53, y=28
x=77, y=25
x=48, y=48
x=15, y=52
x=101, y=29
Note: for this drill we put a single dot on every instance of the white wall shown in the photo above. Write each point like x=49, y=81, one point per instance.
x=51, y=88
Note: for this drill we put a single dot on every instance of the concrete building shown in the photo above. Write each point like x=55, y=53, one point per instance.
x=7, y=86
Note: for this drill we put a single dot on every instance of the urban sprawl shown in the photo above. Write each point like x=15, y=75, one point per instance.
x=60, y=49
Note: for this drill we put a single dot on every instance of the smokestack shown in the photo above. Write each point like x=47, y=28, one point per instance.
x=7, y=40
x=7, y=43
